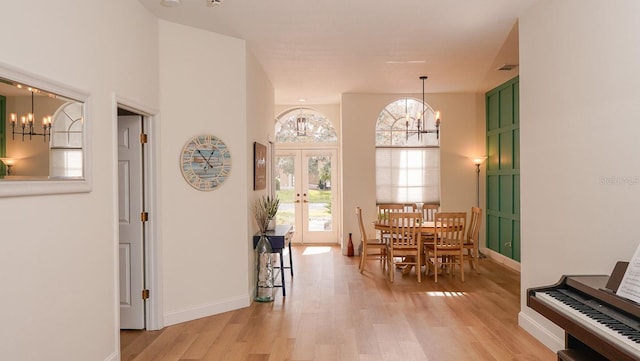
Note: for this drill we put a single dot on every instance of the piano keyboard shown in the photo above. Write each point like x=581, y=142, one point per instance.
x=600, y=319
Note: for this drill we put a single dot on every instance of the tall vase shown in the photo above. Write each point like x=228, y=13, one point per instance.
x=264, y=270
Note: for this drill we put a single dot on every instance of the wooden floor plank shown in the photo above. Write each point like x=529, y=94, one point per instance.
x=332, y=312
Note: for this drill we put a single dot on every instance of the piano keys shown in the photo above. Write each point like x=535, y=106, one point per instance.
x=597, y=322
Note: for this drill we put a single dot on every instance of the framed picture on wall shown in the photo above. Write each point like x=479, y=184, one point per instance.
x=259, y=166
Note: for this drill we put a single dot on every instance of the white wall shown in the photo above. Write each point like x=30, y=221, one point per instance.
x=58, y=261
x=461, y=137
x=205, y=235
x=260, y=110
x=580, y=159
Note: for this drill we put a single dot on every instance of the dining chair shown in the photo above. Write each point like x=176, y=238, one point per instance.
x=446, y=251
x=369, y=244
x=404, y=246
x=429, y=211
x=384, y=210
x=471, y=240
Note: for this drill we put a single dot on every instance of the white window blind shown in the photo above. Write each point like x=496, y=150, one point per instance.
x=408, y=175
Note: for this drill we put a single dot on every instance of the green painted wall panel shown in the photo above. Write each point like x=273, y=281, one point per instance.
x=506, y=194
x=493, y=104
x=493, y=186
x=506, y=151
x=493, y=227
x=516, y=149
x=503, y=169
x=506, y=237
x=516, y=240
x=506, y=107
x=493, y=152
x=516, y=195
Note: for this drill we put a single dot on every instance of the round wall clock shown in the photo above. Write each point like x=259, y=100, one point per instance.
x=205, y=162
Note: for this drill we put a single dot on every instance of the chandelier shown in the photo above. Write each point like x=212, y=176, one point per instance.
x=26, y=126
x=420, y=125
x=301, y=124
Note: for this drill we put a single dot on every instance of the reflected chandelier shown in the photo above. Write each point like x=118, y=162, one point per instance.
x=26, y=126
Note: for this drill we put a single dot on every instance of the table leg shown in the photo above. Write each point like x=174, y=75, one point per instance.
x=284, y=291
x=290, y=259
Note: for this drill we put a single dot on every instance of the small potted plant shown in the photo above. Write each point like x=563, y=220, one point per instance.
x=265, y=209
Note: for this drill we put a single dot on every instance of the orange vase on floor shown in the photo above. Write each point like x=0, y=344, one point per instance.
x=350, y=247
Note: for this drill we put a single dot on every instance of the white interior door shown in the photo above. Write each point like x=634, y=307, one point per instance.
x=306, y=186
x=131, y=232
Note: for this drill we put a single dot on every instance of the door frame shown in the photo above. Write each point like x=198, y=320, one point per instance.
x=152, y=257
x=337, y=178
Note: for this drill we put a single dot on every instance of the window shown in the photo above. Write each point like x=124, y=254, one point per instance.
x=407, y=163
x=304, y=125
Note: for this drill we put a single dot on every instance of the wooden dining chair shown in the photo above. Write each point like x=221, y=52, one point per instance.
x=404, y=247
x=384, y=210
x=448, y=246
x=368, y=245
x=429, y=211
x=472, y=238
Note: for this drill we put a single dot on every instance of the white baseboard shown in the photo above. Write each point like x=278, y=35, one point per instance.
x=548, y=338
x=497, y=257
x=194, y=313
x=113, y=357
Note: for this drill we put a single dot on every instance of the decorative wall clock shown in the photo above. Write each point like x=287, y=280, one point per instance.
x=205, y=162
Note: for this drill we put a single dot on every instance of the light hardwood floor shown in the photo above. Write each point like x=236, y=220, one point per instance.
x=332, y=312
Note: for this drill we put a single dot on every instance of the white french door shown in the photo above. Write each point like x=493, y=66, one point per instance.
x=306, y=183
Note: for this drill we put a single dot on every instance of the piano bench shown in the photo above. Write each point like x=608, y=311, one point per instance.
x=580, y=355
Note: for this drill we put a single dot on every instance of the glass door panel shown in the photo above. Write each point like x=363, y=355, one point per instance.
x=307, y=193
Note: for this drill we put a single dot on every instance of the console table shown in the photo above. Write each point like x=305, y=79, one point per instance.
x=279, y=238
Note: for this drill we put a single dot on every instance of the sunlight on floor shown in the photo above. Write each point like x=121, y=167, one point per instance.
x=309, y=251
x=445, y=294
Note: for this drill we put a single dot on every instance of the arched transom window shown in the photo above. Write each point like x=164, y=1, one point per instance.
x=407, y=161
x=304, y=125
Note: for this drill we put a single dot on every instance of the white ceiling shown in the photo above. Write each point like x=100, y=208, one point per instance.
x=317, y=50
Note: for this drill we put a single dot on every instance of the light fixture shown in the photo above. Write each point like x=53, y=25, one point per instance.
x=9, y=162
x=26, y=126
x=301, y=124
x=420, y=119
x=170, y=3
x=477, y=161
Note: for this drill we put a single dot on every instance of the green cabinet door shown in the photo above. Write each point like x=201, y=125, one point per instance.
x=503, y=169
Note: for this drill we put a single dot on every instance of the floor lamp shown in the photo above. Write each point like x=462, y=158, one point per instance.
x=478, y=161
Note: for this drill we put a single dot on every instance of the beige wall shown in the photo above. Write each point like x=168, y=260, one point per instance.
x=58, y=265
x=260, y=109
x=204, y=234
x=462, y=137
x=580, y=160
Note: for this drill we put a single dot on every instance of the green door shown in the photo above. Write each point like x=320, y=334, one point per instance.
x=503, y=169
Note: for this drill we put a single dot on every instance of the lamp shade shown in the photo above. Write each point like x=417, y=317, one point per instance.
x=8, y=161
x=478, y=160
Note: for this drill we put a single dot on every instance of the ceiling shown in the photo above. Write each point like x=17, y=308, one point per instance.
x=317, y=50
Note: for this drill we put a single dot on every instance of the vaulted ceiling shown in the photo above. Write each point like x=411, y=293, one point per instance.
x=317, y=50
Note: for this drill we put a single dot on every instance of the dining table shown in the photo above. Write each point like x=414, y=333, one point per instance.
x=426, y=228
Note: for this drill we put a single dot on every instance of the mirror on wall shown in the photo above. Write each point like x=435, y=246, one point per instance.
x=41, y=134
